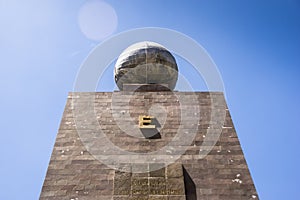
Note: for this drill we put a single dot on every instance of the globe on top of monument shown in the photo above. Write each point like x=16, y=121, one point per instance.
x=146, y=63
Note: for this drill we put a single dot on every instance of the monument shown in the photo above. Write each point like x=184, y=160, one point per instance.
x=147, y=141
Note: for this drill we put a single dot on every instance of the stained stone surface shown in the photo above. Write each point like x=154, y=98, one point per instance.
x=146, y=63
x=74, y=173
x=152, y=185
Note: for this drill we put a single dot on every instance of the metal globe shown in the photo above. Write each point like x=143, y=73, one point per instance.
x=146, y=63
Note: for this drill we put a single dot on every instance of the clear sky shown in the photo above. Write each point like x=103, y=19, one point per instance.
x=254, y=43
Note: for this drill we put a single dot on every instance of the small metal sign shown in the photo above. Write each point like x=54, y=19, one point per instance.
x=146, y=121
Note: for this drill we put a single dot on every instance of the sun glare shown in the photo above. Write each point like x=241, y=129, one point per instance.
x=97, y=20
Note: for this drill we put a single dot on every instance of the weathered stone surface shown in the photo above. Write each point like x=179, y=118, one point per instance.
x=174, y=170
x=150, y=186
x=74, y=173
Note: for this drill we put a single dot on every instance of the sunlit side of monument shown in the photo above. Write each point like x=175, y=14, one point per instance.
x=147, y=141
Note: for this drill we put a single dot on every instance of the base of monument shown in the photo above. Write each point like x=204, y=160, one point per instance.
x=145, y=87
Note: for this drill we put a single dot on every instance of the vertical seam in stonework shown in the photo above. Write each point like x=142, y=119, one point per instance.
x=146, y=52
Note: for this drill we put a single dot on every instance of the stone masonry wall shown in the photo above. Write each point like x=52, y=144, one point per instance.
x=76, y=172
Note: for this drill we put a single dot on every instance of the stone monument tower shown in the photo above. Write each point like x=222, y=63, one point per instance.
x=147, y=141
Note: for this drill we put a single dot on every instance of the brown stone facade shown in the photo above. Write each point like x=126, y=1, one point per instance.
x=79, y=171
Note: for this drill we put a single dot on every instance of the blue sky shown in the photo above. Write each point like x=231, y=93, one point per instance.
x=255, y=45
